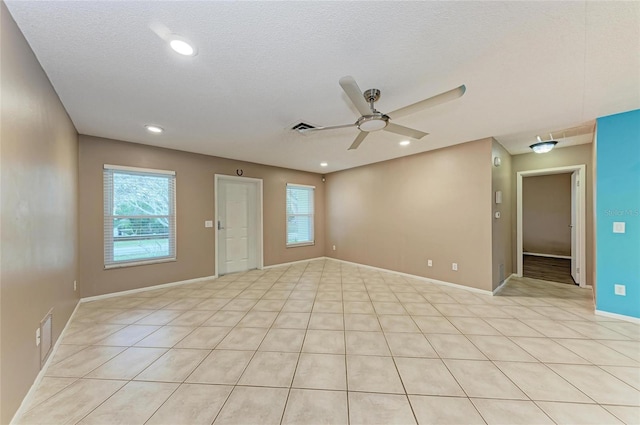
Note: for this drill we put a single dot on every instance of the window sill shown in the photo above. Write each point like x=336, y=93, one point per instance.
x=138, y=263
x=295, y=245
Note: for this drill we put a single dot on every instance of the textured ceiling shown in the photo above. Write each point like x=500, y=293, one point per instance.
x=529, y=67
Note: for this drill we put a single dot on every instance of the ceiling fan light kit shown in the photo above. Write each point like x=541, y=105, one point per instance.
x=373, y=120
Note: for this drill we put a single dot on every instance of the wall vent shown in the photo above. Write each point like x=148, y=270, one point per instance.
x=46, y=332
x=302, y=126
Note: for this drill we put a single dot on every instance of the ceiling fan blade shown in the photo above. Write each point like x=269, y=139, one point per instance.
x=430, y=102
x=359, y=138
x=405, y=131
x=354, y=93
x=330, y=127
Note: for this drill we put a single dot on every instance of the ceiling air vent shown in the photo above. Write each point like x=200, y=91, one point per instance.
x=302, y=126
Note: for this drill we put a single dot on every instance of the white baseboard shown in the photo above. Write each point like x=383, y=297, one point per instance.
x=27, y=398
x=147, y=288
x=504, y=282
x=618, y=316
x=272, y=266
x=537, y=254
x=413, y=276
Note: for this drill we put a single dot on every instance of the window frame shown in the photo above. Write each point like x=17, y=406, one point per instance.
x=109, y=216
x=311, y=242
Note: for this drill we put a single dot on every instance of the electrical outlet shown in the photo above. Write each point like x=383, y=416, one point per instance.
x=334, y=247
x=620, y=290
x=429, y=263
x=618, y=227
x=37, y=337
x=75, y=285
x=454, y=267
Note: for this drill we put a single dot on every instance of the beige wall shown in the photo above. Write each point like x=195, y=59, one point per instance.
x=398, y=214
x=39, y=162
x=195, y=204
x=501, y=251
x=573, y=155
x=546, y=214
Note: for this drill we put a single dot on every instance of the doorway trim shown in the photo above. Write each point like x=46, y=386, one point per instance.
x=581, y=213
x=259, y=224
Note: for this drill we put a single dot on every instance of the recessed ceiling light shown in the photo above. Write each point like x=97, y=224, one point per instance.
x=405, y=143
x=183, y=47
x=154, y=129
x=323, y=164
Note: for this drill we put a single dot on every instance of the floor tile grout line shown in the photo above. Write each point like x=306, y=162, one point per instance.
x=598, y=342
x=395, y=365
x=103, y=402
x=52, y=395
x=558, y=375
x=604, y=406
x=295, y=369
x=234, y=386
x=344, y=336
x=544, y=411
x=161, y=404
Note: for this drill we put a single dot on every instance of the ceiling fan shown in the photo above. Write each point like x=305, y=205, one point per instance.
x=373, y=120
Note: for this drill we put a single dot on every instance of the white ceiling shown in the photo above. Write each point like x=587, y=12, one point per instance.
x=529, y=67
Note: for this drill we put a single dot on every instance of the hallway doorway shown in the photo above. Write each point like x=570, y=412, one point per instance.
x=575, y=229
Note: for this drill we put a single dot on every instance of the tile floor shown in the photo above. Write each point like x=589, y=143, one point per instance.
x=323, y=342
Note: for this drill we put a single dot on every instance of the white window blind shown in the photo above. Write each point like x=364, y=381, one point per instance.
x=300, y=215
x=139, y=216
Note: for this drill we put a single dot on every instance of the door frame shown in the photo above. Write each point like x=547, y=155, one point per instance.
x=581, y=213
x=259, y=224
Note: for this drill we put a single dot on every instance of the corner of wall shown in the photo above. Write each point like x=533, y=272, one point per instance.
x=501, y=227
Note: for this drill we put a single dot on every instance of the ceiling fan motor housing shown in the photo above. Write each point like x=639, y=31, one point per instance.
x=371, y=95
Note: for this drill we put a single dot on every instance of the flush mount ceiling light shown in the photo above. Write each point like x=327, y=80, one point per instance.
x=154, y=129
x=323, y=164
x=543, y=146
x=405, y=143
x=182, y=46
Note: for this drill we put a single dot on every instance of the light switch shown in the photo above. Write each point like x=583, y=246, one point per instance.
x=618, y=227
x=208, y=223
x=499, y=197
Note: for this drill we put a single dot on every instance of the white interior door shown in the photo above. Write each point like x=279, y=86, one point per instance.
x=575, y=235
x=236, y=226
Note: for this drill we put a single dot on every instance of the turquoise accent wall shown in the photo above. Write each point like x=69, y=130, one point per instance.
x=618, y=200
